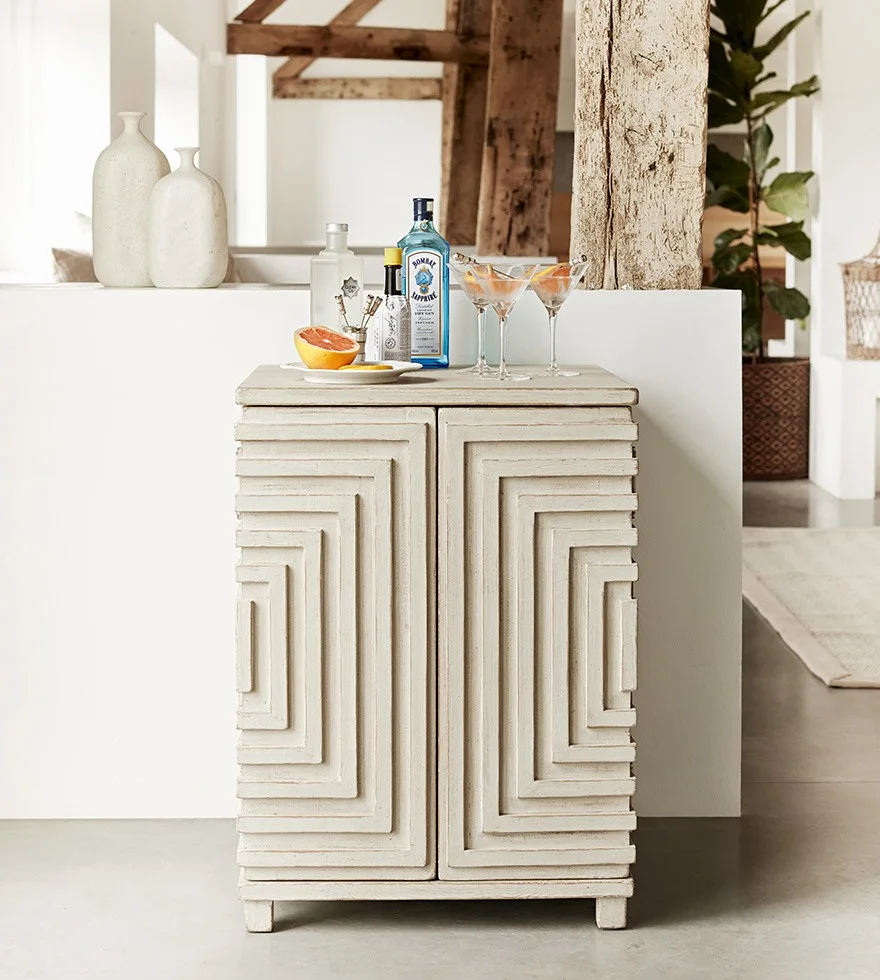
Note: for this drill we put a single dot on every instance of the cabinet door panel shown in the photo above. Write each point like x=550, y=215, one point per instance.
x=336, y=753
x=537, y=642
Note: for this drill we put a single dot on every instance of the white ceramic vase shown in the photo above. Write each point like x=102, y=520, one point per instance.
x=189, y=245
x=124, y=176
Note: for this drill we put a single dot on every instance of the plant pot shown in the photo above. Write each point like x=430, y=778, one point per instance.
x=776, y=418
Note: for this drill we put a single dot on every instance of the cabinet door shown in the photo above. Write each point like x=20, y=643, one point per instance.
x=537, y=642
x=335, y=643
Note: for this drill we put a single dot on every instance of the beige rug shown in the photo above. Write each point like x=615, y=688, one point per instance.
x=820, y=590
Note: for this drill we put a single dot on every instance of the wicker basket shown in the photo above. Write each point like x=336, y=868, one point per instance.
x=861, y=288
x=776, y=419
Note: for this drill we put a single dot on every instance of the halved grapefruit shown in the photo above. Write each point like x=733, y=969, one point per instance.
x=323, y=349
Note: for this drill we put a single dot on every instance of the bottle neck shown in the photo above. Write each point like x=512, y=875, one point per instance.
x=393, y=286
x=337, y=241
x=424, y=223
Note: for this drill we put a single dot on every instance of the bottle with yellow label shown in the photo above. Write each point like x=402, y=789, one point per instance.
x=389, y=339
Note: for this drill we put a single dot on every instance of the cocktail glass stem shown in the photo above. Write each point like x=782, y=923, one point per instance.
x=481, y=340
x=481, y=368
x=502, y=343
x=553, y=367
x=553, y=370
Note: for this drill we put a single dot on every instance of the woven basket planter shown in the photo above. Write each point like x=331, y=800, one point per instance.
x=861, y=289
x=776, y=418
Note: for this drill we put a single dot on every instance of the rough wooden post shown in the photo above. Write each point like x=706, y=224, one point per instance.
x=640, y=142
x=464, y=123
x=517, y=175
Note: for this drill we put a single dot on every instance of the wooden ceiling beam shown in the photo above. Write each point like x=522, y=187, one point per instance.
x=259, y=10
x=414, y=89
x=520, y=140
x=384, y=43
x=464, y=122
x=347, y=17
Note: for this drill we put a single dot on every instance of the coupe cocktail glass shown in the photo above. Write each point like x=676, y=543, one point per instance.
x=553, y=286
x=463, y=268
x=503, y=287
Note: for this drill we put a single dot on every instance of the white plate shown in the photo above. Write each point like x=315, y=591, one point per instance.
x=355, y=377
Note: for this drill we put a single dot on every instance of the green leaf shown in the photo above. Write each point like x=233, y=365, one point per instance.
x=725, y=169
x=740, y=19
x=728, y=259
x=788, y=194
x=764, y=49
x=762, y=137
x=746, y=280
x=728, y=197
x=728, y=180
x=728, y=237
x=771, y=9
x=791, y=237
x=745, y=68
x=768, y=101
x=722, y=112
x=721, y=78
x=788, y=302
x=765, y=78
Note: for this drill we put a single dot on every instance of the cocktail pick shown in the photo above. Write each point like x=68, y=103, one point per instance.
x=340, y=302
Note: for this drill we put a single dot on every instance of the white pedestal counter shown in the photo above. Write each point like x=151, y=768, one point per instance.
x=117, y=596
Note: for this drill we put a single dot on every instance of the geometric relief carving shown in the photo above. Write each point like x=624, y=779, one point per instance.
x=335, y=512
x=539, y=634
x=262, y=646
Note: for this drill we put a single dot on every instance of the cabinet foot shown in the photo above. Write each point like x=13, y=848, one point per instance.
x=258, y=916
x=611, y=913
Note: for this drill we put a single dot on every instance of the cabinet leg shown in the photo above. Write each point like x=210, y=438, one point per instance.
x=611, y=913
x=258, y=916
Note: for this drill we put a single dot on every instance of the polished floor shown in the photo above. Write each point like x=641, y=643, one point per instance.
x=790, y=892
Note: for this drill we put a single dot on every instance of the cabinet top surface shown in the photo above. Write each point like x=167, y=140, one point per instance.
x=273, y=385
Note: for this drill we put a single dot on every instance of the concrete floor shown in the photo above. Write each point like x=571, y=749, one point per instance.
x=790, y=892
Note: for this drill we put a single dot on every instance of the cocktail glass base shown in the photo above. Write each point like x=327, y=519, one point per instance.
x=479, y=370
x=558, y=373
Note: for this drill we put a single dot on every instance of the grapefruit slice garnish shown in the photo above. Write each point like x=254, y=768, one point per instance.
x=323, y=349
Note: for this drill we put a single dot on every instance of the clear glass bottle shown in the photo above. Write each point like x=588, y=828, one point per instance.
x=426, y=286
x=389, y=338
x=336, y=270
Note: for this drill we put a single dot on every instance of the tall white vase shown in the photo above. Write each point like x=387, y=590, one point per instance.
x=124, y=176
x=189, y=245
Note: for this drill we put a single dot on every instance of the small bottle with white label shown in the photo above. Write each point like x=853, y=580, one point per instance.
x=389, y=338
x=426, y=286
x=336, y=271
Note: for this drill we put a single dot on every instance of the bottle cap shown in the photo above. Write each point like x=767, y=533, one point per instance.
x=335, y=226
x=423, y=207
x=393, y=256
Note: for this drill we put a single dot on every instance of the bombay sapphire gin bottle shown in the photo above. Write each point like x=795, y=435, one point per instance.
x=426, y=286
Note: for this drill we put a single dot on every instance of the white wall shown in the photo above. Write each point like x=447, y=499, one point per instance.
x=176, y=101
x=116, y=584
x=200, y=25
x=844, y=448
x=54, y=111
x=846, y=152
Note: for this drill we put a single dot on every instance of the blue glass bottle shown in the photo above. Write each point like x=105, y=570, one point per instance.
x=426, y=284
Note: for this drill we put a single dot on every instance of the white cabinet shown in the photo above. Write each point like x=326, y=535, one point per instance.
x=494, y=523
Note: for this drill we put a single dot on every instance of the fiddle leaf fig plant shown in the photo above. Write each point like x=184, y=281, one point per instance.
x=739, y=93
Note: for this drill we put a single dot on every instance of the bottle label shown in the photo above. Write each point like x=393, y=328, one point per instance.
x=392, y=340
x=424, y=288
x=350, y=287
